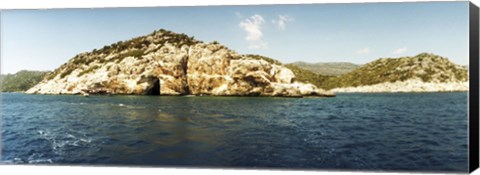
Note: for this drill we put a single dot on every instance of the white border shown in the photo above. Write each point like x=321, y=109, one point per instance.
x=79, y=170
x=73, y=170
x=42, y=4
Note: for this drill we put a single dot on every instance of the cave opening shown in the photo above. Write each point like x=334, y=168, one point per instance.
x=155, y=88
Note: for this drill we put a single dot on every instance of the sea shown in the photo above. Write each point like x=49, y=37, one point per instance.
x=420, y=132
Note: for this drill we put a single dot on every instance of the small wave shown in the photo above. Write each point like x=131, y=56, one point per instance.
x=44, y=135
x=41, y=132
x=41, y=161
x=216, y=115
x=35, y=158
x=86, y=140
x=38, y=158
x=62, y=142
x=121, y=104
x=15, y=160
x=138, y=142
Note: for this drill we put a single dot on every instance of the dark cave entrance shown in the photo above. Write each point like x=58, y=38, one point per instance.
x=155, y=88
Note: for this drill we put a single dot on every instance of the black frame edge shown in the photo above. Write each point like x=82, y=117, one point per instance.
x=473, y=128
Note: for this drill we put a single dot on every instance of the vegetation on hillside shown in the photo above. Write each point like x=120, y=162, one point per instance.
x=301, y=75
x=21, y=81
x=425, y=66
x=135, y=47
x=306, y=76
x=267, y=59
x=330, y=69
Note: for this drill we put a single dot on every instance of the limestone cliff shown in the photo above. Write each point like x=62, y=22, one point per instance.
x=167, y=63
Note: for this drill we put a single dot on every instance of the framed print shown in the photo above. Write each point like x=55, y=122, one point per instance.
x=352, y=87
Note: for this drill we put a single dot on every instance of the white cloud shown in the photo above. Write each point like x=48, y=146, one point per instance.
x=365, y=50
x=400, y=50
x=253, y=27
x=281, y=23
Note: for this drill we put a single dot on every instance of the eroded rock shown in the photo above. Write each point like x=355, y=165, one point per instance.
x=164, y=68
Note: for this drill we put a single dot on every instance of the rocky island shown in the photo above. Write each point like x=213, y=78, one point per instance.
x=167, y=63
x=424, y=72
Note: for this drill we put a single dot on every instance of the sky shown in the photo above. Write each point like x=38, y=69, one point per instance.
x=357, y=33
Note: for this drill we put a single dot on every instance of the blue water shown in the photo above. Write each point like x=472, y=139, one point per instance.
x=395, y=132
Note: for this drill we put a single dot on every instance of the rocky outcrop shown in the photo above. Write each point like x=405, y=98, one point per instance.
x=166, y=63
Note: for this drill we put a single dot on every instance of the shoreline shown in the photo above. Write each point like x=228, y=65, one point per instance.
x=409, y=86
x=166, y=95
x=405, y=92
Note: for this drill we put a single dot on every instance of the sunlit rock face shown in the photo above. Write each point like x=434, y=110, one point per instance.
x=166, y=63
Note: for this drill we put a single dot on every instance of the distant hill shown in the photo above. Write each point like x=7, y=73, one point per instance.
x=328, y=68
x=21, y=81
x=301, y=74
x=425, y=67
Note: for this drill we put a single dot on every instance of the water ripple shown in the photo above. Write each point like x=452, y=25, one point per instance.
x=422, y=132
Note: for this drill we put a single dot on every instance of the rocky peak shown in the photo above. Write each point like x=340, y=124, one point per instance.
x=166, y=63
